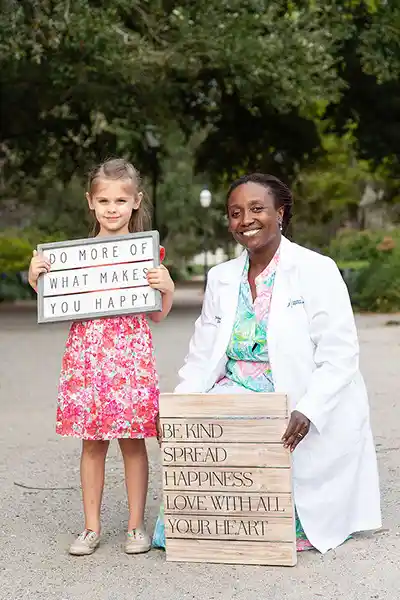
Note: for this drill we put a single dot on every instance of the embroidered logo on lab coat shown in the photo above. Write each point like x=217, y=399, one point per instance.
x=217, y=319
x=296, y=302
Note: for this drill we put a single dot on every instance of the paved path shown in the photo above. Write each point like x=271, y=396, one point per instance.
x=37, y=525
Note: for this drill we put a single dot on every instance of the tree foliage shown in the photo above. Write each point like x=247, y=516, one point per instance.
x=76, y=74
x=231, y=86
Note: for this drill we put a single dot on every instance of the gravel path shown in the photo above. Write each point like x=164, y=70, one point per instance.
x=40, y=504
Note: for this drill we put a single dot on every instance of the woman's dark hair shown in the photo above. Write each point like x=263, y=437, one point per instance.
x=279, y=190
x=115, y=169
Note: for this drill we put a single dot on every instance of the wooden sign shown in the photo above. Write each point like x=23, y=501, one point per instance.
x=227, y=479
x=98, y=277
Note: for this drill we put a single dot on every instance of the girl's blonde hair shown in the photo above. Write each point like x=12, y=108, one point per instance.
x=118, y=168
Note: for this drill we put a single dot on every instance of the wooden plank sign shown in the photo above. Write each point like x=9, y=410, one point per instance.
x=98, y=277
x=227, y=479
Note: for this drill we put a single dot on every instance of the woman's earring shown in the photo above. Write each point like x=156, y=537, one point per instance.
x=280, y=225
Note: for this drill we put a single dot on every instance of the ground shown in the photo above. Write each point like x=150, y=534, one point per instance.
x=38, y=524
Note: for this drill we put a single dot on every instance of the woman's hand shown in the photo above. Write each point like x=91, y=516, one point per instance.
x=296, y=431
x=39, y=264
x=160, y=279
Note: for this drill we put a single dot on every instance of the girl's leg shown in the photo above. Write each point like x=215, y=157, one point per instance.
x=92, y=480
x=136, y=478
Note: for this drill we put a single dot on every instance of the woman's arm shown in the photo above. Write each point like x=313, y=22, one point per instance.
x=333, y=332
x=194, y=372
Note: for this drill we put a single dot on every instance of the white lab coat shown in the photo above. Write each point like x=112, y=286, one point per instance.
x=314, y=355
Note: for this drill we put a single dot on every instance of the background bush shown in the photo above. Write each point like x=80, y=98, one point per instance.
x=370, y=264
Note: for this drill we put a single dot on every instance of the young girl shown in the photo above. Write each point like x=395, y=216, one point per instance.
x=108, y=385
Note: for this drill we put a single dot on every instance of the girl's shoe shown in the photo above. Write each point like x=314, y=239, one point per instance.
x=137, y=541
x=86, y=543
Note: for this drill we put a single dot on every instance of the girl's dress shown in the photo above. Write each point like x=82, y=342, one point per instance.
x=108, y=385
x=248, y=366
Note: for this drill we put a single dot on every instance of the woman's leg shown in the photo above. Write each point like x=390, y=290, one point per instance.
x=92, y=480
x=136, y=478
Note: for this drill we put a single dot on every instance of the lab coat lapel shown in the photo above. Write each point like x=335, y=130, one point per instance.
x=278, y=309
x=229, y=284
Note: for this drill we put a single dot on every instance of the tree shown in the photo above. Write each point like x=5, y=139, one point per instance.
x=371, y=71
x=75, y=75
x=328, y=192
x=247, y=79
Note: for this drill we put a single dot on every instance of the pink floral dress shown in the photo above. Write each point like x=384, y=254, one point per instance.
x=108, y=384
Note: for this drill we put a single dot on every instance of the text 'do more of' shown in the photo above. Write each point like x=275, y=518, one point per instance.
x=95, y=254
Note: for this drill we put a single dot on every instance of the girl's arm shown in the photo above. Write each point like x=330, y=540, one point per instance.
x=39, y=264
x=167, y=299
x=160, y=279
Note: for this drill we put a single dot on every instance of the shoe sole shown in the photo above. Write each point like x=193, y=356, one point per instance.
x=138, y=550
x=85, y=552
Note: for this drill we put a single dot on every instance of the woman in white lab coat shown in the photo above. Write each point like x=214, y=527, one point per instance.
x=279, y=318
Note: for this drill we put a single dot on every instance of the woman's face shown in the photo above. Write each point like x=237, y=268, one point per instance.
x=253, y=218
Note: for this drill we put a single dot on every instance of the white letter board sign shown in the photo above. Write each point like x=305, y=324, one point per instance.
x=98, y=277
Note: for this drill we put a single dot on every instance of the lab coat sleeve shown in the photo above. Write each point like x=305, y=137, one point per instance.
x=333, y=332
x=194, y=371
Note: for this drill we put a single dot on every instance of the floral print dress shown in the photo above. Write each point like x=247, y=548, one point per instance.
x=108, y=385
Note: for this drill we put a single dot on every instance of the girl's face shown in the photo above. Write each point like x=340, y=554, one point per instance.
x=253, y=218
x=113, y=202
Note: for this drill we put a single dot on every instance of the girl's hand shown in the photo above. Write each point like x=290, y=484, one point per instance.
x=160, y=279
x=39, y=264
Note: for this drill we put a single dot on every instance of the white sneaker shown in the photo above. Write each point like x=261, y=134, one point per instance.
x=137, y=541
x=85, y=543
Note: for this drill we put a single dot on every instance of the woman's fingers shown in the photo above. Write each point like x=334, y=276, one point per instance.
x=290, y=439
x=296, y=431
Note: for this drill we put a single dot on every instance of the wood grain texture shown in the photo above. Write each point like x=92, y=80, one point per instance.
x=223, y=430
x=270, y=529
x=243, y=504
x=228, y=552
x=227, y=480
x=266, y=481
x=230, y=455
x=223, y=405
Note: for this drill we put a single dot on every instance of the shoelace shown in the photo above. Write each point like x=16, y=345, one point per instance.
x=136, y=534
x=87, y=534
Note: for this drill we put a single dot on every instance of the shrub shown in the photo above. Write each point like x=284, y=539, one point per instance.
x=377, y=287
x=15, y=254
x=370, y=264
x=350, y=245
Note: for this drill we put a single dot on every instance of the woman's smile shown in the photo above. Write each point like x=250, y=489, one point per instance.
x=250, y=232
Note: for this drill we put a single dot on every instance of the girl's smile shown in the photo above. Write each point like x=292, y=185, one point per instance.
x=113, y=202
